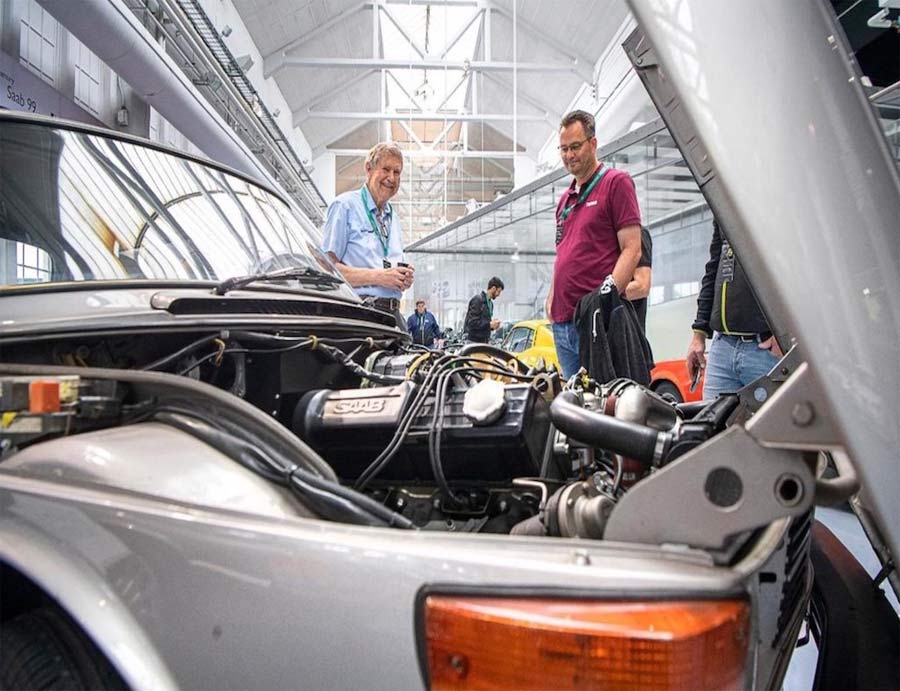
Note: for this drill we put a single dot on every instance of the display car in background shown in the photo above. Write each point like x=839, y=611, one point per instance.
x=532, y=342
x=219, y=469
x=670, y=377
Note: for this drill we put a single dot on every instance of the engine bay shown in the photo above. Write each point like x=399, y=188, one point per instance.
x=468, y=441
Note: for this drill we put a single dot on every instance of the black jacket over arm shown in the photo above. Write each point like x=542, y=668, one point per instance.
x=611, y=342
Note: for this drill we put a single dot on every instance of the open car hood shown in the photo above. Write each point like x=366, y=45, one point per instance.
x=770, y=115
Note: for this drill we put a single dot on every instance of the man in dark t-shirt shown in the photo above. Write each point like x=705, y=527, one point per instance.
x=638, y=288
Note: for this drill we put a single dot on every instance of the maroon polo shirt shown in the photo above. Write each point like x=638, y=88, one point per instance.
x=589, y=247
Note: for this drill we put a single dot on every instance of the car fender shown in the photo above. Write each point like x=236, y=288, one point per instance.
x=77, y=587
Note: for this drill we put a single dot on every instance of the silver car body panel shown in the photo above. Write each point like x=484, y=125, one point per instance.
x=157, y=459
x=54, y=560
x=804, y=182
x=253, y=592
x=217, y=587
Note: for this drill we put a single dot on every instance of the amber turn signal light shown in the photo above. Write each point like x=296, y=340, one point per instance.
x=523, y=643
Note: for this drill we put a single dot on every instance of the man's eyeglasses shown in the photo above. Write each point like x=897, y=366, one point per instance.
x=573, y=147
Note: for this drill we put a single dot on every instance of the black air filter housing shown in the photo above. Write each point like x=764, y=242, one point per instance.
x=351, y=428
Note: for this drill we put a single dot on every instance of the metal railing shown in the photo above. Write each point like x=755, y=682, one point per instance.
x=212, y=68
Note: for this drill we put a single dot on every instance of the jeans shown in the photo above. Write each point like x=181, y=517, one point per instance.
x=732, y=363
x=565, y=338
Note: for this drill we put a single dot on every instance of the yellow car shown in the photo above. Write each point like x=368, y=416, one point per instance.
x=531, y=341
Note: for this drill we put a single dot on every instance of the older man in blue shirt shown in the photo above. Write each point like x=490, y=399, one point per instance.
x=363, y=237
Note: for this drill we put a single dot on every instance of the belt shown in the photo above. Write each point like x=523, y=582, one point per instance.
x=386, y=304
x=747, y=338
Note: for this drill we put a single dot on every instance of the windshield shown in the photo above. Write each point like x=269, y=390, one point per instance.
x=77, y=206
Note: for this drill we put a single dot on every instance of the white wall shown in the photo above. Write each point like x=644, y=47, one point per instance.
x=324, y=175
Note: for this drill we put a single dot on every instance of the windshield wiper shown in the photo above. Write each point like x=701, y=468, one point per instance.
x=305, y=274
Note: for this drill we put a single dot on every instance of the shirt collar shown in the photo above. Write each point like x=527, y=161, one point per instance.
x=572, y=189
x=388, y=209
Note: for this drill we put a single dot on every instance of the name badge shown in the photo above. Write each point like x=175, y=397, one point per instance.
x=385, y=263
x=559, y=232
x=591, y=203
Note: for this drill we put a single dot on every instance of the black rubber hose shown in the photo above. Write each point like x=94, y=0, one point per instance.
x=327, y=499
x=606, y=432
x=339, y=356
x=189, y=348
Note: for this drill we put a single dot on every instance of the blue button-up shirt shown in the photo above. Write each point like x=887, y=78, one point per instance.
x=350, y=235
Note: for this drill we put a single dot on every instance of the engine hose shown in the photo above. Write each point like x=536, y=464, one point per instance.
x=604, y=431
x=326, y=499
x=339, y=356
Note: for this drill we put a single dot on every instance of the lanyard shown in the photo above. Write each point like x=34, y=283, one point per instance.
x=381, y=233
x=564, y=214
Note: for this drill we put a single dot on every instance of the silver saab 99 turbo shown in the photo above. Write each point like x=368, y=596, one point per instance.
x=220, y=469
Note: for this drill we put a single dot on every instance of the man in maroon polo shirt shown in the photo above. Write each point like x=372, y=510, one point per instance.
x=598, y=232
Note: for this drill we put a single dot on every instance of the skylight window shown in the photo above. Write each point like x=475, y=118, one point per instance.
x=417, y=33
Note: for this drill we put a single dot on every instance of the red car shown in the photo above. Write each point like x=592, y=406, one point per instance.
x=671, y=377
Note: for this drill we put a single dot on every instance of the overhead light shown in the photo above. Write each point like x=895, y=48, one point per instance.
x=425, y=91
x=226, y=31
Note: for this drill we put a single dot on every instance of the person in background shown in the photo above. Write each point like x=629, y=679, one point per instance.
x=422, y=326
x=362, y=234
x=638, y=287
x=598, y=233
x=480, y=320
x=743, y=347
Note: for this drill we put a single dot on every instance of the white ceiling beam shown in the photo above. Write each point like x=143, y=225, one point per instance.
x=409, y=39
x=438, y=117
x=412, y=99
x=465, y=78
x=454, y=3
x=427, y=204
x=273, y=62
x=377, y=45
x=406, y=128
x=300, y=113
x=443, y=133
x=540, y=105
x=332, y=137
x=465, y=65
x=486, y=33
x=583, y=65
x=462, y=32
x=424, y=153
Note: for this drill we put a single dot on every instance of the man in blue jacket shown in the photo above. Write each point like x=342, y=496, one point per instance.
x=423, y=326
